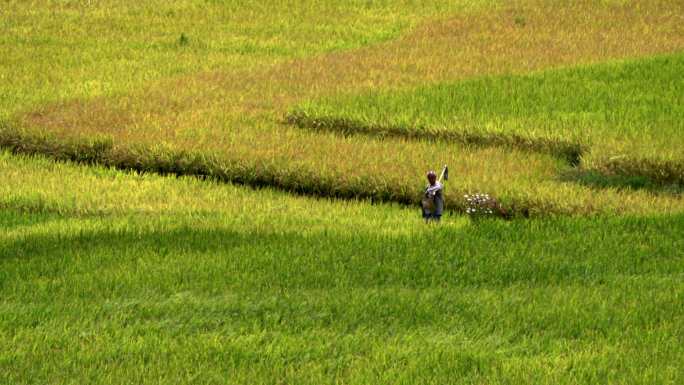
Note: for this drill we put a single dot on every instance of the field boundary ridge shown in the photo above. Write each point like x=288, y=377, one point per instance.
x=166, y=160
x=660, y=173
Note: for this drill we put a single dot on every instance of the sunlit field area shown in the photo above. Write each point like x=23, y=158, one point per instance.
x=631, y=111
x=110, y=277
x=227, y=192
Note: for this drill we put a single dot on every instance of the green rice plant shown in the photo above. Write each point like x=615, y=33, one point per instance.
x=120, y=46
x=569, y=151
x=217, y=110
x=622, y=118
x=530, y=190
x=127, y=276
x=144, y=278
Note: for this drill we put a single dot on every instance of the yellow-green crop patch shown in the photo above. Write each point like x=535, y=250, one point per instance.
x=39, y=185
x=612, y=115
x=110, y=277
x=60, y=50
x=527, y=184
x=132, y=277
x=224, y=121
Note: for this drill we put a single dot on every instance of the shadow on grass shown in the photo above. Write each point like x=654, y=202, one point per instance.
x=663, y=177
x=492, y=253
x=567, y=151
x=12, y=216
x=165, y=161
x=597, y=180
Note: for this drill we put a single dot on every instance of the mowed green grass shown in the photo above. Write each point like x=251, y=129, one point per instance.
x=108, y=277
x=629, y=110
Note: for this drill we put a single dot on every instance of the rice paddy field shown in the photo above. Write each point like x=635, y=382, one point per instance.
x=226, y=192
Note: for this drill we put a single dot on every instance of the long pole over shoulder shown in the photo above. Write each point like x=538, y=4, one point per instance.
x=445, y=174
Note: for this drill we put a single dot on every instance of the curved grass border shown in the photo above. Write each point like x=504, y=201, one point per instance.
x=168, y=161
x=662, y=174
x=568, y=151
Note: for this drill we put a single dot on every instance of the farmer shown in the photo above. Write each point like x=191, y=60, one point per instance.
x=433, y=200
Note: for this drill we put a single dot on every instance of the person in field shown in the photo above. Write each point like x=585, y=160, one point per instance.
x=433, y=199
